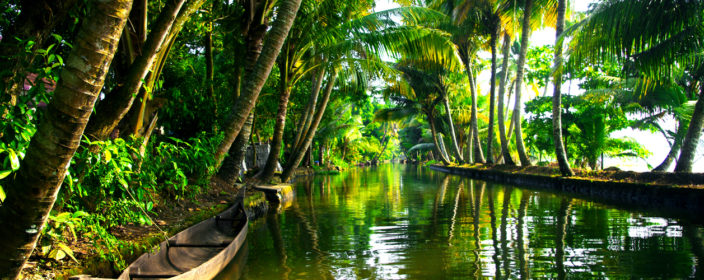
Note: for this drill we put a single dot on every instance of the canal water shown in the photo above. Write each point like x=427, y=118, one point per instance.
x=409, y=222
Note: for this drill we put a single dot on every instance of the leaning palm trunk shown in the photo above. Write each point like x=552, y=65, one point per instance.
x=307, y=116
x=478, y=154
x=560, y=153
x=674, y=150
x=525, y=36
x=434, y=132
x=276, y=141
x=307, y=140
x=502, y=89
x=209, y=68
x=453, y=136
x=691, y=140
x=255, y=80
x=384, y=142
x=117, y=103
x=31, y=193
x=492, y=95
x=232, y=165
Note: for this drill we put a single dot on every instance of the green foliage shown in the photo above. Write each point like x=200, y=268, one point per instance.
x=172, y=163
x=539, y=65
x=587, y=127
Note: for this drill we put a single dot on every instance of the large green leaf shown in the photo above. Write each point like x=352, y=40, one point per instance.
x=14, y=159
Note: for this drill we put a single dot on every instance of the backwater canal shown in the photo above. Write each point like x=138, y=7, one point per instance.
x=409, y=222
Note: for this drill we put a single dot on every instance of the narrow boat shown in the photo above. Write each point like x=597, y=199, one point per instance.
x=198, y=252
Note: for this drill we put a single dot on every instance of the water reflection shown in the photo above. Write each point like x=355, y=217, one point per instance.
x=398, y=222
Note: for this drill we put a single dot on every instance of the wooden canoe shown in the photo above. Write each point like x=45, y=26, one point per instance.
x=198, y=252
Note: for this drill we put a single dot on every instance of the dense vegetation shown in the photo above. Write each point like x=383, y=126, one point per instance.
x=112, y=108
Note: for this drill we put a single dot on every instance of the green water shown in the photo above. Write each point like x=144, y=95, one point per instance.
x=408, y=222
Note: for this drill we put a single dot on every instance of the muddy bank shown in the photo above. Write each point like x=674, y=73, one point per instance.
x=171, y=217
x=623, y=189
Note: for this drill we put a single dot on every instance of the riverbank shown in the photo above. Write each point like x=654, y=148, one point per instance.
x=677, y=194
x=133, y=240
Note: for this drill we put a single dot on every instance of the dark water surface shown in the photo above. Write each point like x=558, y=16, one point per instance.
x=408, y=222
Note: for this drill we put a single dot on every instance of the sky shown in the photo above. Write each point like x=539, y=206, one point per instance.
x=655, y=143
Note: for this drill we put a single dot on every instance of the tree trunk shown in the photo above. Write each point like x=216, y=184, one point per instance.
x=560, y=153
x=297, y=154
x=209, y=68
x=434, y=132
x=691, y=140
x=525, y=36
x=385, y=142
x=307, y=115
x=453, y=136
x=35, y=22
x=272, y=160
x=492, y=95
x=674, y=150
x=232, y=165
x=255, y=80
x=478, y=154
x=111, y=110
x=31, y=193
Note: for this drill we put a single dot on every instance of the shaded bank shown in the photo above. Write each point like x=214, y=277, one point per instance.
x=680, y=201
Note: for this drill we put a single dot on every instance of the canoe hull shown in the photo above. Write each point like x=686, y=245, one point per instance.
x=198, y=252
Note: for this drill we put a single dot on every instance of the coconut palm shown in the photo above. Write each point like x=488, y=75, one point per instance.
x=560, y=153
x=117, y=103
x=338, y=42
x=655, y=36
x=31, y=193
x=252, y=21
x=255, y=80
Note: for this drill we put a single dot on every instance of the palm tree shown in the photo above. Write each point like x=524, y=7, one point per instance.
x=31, y=193
x=655, y=36
x=255, y=80
x=503, y=138
x=307, y=139
x=492, y=13
x=252, y=24
x=525, y=36
x=560, y=153
x=342, y=41
x=117, y=103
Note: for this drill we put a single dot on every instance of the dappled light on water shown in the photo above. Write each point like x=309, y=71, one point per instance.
x=407, y=222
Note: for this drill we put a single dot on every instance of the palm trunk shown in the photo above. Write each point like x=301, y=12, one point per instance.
x=525, y=36
x=209, y=68
x=453, y=136
x=297, y=154
x=385, y=142
x=271, y=162
x=35, y=22
x=111, y=110
x=478, y=154
x=492, y=95
x=255, y=80
x=31, y=193
x=691, y=140
x=674, y=150
x=307, y=115
x=434, y=132
x=231, y=167
x=560, y=153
